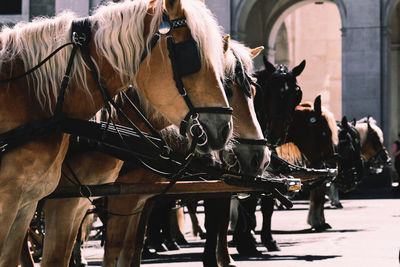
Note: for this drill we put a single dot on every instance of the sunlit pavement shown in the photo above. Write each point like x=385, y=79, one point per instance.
x=364, y=233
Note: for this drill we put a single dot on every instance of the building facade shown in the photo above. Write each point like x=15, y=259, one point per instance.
x=370, y=44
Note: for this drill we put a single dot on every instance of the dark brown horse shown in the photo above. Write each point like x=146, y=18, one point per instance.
x=314, y=132
x=275, y=102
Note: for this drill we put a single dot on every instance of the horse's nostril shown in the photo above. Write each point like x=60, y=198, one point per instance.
x=255, y=162
x=226, y=131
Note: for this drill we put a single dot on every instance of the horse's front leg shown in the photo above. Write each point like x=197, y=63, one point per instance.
x=223, y=257
x=11, y=252
x=211, y=224
x=63, y=218
x=123, y=231
x=25, y=178
x=267, y=209
x=316, y=216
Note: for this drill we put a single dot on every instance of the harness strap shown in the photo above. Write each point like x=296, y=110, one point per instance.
x=65, y=81
x=85, y=24
x=37, y=66
x=142, y=116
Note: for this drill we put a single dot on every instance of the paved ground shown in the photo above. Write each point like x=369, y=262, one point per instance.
x=365, y=232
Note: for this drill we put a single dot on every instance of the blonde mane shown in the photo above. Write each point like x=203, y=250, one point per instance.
x=332, y=124
x=291, y=153
x=119, y=38
x=362, y=128
x=32, y=42
x=244, y=55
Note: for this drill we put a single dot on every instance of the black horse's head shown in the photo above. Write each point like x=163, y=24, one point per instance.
x=350, y=163
x=276, y=99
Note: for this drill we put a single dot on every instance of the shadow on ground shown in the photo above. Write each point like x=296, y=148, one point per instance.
x=196, y=257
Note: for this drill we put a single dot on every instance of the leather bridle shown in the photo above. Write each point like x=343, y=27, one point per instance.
x=350, y=163
x=185, y=60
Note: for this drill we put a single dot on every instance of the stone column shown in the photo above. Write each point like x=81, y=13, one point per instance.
x=361, y=58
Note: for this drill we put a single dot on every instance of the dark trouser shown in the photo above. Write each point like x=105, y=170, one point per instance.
x=246, y=221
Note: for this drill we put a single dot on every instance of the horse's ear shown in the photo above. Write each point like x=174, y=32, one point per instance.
x=255, y=51
x=299, y=68
x=344, y=121
x=369, y=126
x=317, y=105
x=174, y=8
x=269, y=67
x=225, y=41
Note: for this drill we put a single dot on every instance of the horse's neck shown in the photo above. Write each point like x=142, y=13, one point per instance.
x=153, y=116
x=363, y=132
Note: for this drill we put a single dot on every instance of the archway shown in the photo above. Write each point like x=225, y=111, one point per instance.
x=313, y=33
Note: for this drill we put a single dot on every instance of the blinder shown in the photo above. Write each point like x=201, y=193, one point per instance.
x=298, y=95
x=243, y=79
x=187, y=57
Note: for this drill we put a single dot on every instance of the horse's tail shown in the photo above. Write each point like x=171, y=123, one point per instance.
x=291, y=153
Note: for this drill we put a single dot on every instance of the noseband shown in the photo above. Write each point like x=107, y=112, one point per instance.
x=185, y=60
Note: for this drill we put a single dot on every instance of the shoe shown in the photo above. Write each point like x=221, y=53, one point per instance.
x=147, y=254
x=271, y=245
x=322, y=227
x=181, y=240
x=172, y=245
x=158, y=247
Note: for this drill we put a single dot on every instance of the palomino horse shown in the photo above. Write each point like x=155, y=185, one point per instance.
x=371, y=138
x=314, y=132
x=275, y=102
x=122, y=34
x=119, y=246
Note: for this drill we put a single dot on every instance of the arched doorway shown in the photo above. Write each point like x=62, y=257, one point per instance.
x=293, y=30
x=313, y=33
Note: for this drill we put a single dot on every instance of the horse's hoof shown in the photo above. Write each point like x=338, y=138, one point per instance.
x=210, y=261
x=248, y=252
x=322, y=227
x=337, y=205
x=271, y=245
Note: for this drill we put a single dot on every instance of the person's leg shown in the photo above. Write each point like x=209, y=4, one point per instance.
x=242, y=235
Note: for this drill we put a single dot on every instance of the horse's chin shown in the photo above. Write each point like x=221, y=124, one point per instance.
x=229, y=160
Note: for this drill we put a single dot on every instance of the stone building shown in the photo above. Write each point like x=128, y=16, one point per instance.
x=356, y=69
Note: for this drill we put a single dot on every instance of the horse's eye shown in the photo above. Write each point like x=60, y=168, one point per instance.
x=228, y=91
x=313, y=120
